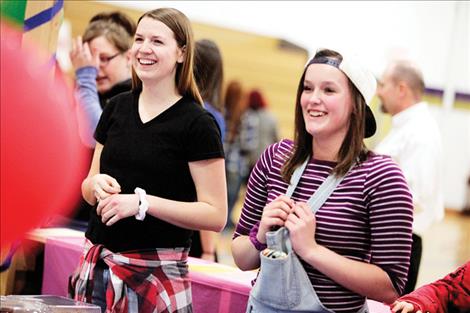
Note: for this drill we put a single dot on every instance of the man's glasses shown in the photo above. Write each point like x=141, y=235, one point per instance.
x=104, y=60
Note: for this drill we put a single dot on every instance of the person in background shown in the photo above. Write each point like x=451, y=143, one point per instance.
x=258, y=128
x=450, y=294
x=157, y=174
x=101, y=59
x=414, y=142
x=358, y=244
x=236, y=165
x=209, y=75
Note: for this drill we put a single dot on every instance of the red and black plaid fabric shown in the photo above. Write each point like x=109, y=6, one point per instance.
x=450, y=294
x=158, y=277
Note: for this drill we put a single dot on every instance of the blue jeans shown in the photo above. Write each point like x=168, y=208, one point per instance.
x=101, y=280
x=234, y=182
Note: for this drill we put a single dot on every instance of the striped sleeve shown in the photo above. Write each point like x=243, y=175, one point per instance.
x=390, y=218
x=256, y=196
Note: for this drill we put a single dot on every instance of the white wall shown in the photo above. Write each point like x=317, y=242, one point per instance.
x=422, y=30
x=455, y=130
x=435, y=34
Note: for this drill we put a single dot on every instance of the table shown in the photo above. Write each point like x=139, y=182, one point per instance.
x=216, y=288
x=41, y=235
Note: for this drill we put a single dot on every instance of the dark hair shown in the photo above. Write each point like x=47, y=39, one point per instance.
x=182, y=31
x=208, y=72
x=118, y=18
x=116, y=27
x=352, y=149
x=256, y=100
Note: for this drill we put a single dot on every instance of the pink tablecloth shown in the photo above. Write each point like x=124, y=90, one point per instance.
x=61, y=257
x=216, y=288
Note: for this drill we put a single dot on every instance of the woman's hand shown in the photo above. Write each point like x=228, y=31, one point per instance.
x=403, y=307
x=274, y=214
x=117, y=207
x=81, y=55
x=104, y=186
x=301, y=224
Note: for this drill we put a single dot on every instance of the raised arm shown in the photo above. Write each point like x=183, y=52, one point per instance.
x=89, y=109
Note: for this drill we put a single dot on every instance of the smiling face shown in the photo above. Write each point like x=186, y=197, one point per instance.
x=155, y=52
x=326, y=102
x=110, y=71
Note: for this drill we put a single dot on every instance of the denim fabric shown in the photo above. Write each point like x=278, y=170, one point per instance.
x=257, y=307
x=99, y=290
x=99, y=287
x=283, y=285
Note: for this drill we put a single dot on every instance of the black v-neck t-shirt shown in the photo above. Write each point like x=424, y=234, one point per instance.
x=153, y=156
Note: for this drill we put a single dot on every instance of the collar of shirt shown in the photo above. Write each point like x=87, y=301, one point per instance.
x=404, y=116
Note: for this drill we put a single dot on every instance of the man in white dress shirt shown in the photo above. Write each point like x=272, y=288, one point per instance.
x=414, y=142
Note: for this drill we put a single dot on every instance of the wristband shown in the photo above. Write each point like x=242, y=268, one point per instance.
x=254, y=240
x=143, y=204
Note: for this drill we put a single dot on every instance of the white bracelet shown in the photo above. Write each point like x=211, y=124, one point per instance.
x=143, y=203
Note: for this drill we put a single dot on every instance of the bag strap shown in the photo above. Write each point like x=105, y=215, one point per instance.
x=280, y=239
x=321, y=194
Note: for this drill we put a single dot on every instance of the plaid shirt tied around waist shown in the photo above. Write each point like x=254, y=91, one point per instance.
x=157, y=276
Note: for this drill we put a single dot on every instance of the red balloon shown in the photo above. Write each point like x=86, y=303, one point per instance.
x=42, y=159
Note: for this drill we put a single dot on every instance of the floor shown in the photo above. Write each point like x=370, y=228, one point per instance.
x=446, y=245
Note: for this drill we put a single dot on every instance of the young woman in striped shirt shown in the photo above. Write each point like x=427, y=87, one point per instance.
x=357, y=246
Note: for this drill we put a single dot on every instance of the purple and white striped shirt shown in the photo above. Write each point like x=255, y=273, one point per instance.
x=367, y=218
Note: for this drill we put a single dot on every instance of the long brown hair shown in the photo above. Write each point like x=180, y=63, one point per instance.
x=235, y=106
x=182, y=31
x=209, y=72
x=352, y=148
